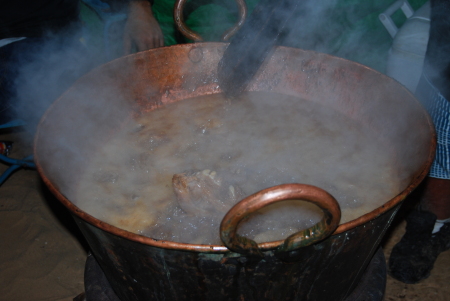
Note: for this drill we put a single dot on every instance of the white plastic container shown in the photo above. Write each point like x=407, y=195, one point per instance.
x=409, y=45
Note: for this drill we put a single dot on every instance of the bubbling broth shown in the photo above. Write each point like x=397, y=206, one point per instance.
x=174, y=172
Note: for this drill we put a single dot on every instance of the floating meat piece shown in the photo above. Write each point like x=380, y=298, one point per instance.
x=205, y=193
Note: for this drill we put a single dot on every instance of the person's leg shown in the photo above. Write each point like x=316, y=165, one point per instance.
x=427, y=231
x=436, y=197
x=413, y=258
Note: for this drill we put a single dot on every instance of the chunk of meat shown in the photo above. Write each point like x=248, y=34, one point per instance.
x=205, y=193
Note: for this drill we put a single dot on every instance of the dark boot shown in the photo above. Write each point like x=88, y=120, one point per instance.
x=442, y=238
x=412, y=259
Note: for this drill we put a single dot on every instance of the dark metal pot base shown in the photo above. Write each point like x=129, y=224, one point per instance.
x=370, y=288
x=372, y=285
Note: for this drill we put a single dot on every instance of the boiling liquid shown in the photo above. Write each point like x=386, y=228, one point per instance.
x=252, y=143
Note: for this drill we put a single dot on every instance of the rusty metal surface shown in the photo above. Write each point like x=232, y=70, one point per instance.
x=332, y=267
x=371, y=286
x=141, y=268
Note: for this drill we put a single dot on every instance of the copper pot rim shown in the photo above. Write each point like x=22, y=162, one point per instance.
x=202, y=248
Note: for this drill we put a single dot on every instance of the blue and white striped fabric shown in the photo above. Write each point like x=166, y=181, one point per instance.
x=439, y=109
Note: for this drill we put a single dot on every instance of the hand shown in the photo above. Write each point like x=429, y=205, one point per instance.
x=141, y=28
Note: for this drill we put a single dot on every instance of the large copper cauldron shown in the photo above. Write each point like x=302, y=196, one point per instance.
x=327, y=267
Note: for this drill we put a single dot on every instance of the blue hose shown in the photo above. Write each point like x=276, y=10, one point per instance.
x=16, y=164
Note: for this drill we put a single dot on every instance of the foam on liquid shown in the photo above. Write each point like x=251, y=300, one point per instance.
x=258, y=141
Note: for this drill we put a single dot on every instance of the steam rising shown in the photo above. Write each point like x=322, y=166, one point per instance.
x=91, y=113
x=315, y=25
x=45, y=73
x=210, y=153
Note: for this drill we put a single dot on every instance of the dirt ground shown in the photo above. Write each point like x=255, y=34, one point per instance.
x=42, y=253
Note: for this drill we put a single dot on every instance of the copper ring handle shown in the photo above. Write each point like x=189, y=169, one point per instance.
x=190, y=34
x=249, y=205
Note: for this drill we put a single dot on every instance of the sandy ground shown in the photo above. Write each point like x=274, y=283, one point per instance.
x=42, y=253
x=40, y=256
